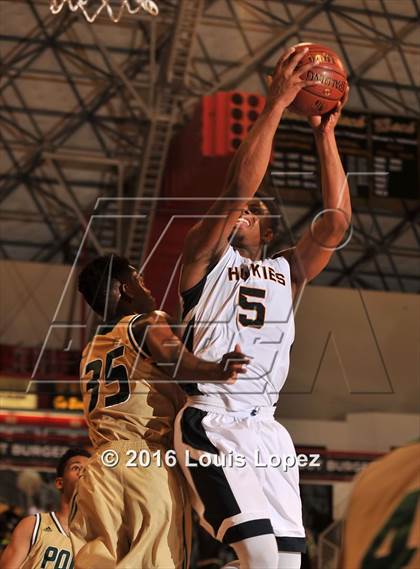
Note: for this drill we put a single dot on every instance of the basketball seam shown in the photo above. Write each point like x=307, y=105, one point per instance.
x=321, y=96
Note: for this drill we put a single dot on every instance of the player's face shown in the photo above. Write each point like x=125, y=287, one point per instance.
x=140, y=292
x=72, y=471
x=253, y=226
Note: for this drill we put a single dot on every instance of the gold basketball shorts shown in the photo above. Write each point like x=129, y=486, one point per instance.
x=132, y=514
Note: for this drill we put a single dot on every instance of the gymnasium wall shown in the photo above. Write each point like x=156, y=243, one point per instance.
x=355, y=351
x=358, y=431
x=29, y=296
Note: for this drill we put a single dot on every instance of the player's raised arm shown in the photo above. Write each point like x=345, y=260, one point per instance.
x=207, y=240
x=154, y=333
x=17, y=550
x=315, y=248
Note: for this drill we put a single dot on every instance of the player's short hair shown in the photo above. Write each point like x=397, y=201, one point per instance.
x=70, y=453
x=97, y=279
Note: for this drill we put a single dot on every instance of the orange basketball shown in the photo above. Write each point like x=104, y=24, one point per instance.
x=329, y=77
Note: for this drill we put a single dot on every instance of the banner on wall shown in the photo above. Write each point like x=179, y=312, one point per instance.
x=37, y=439
x=18, y=400
x=324, y=464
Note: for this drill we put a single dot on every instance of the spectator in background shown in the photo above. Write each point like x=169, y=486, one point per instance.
x=40, y=538
x=9, y=518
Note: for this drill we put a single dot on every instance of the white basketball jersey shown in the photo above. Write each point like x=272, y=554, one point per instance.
x=243, y=302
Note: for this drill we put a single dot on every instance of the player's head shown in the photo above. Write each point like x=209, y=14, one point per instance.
x=69, y=468
x=113, y=287
x=256, y=226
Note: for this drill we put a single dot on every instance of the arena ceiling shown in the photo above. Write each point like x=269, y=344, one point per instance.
x=88, y=111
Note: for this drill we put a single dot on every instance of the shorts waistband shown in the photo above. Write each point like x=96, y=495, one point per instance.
x=123, y=444
x=222, y=410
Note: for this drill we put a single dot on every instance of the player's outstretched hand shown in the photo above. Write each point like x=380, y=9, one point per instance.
x=328, y=122
x=233, y=363
x=286, y=82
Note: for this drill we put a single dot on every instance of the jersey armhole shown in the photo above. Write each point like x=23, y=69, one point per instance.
x=191, y=296
x=143, y=350
x=35, y=531
x=284, y=253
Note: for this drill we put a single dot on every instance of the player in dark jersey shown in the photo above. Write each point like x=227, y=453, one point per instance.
x=43, y=540
x=233, y=293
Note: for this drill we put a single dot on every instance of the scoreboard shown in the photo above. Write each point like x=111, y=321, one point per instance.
x=395, y=150
x=380, y=155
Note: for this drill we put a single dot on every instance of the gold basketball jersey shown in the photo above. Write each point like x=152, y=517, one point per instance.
x=382, y=525
x=50, y=545
x=125, y=396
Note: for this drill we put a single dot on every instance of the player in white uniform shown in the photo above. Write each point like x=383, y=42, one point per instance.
x=232, y=294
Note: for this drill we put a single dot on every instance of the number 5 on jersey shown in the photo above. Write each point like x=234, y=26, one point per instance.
x=257, y=309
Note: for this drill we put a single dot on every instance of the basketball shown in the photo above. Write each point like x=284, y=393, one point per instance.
x=329, y=77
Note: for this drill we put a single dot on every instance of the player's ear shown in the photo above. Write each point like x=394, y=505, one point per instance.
x=268, y=235
x=126, y=291
x=59, y=483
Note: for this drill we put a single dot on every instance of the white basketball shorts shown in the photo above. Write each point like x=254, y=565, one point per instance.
x=242, y=472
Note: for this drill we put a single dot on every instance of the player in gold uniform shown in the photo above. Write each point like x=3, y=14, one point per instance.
x=382, y=524
x=130, y=510
x=42, y=541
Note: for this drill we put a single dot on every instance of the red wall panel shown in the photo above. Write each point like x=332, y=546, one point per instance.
x=191, y=181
